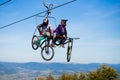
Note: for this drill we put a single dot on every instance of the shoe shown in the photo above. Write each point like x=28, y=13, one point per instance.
x=62, y=45
x=53, y=45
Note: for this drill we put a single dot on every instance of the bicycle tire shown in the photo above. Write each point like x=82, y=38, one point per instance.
x=43, y=54
x=35, y=45
x=69, y=52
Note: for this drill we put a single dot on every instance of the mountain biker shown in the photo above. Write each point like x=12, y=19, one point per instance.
x=45, y=29
x=61, y=31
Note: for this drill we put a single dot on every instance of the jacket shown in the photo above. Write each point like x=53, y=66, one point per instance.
x=60, y=30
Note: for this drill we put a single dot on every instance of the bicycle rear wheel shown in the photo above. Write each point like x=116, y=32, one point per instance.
x=47, y=52
x=35, y=42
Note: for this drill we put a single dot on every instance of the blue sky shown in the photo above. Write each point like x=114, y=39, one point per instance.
x=96, y=22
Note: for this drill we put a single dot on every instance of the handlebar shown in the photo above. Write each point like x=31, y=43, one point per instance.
x=73, y=38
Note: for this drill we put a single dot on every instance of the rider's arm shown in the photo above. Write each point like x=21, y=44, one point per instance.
x=40, y=28
x=65, y=32
x=60, y=30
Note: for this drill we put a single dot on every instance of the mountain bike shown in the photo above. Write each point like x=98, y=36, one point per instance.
x=47, y=51
x=68, y=41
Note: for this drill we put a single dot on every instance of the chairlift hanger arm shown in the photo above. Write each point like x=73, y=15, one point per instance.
x=45, y=4
x=48, y=6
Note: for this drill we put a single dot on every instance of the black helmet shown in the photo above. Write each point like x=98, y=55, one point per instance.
x=64, y=20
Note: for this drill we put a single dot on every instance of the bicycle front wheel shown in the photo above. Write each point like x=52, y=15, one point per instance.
x=69, y=54
x=47, y=52
x=69, y=51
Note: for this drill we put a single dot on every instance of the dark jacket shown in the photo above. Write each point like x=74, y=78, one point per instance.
x=60, y=30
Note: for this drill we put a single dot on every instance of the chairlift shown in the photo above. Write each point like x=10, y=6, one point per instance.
x=47, y=51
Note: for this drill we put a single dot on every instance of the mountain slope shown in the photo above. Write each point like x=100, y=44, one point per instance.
x=28, y=71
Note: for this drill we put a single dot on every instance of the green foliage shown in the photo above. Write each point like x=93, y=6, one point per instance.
x=40, y=78
x=102, y=73
x=64, y=76
x=74, y=76
x=50, y=77
x=82, y=76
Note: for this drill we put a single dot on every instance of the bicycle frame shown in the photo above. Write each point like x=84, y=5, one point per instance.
x=47, y=50
x=67, y=41
x=42, y=40
x=70, y=40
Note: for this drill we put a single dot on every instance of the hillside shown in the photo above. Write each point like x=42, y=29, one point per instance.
x=28, y=71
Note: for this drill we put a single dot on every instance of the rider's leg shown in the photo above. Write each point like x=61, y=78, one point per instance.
x=48, y=34
x=54, y=36
x=53, y=39
x=62, y=42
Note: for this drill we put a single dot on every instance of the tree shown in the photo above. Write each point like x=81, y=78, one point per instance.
x=73, y=76
x=103, y=73
x=41, y=78
x=64, y=76
x=50, y=77
x=82, y=76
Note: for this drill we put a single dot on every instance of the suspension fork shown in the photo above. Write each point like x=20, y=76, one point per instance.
x=47, y=43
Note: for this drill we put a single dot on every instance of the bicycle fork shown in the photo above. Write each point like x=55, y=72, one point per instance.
x=47, y=48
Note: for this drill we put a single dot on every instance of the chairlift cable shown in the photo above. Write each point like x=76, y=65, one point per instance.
x=36, y=14
x=5, y=2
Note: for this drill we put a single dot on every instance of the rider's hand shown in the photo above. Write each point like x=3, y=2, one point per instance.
x=64, y=36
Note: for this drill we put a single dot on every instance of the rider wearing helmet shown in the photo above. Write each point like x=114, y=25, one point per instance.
x=45, y=28
x=61, y=31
